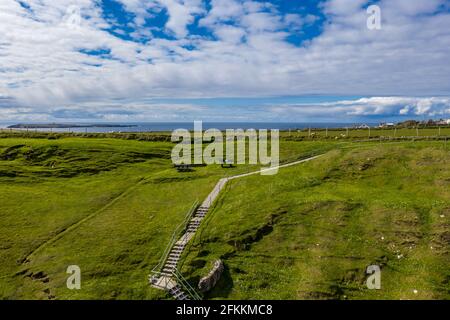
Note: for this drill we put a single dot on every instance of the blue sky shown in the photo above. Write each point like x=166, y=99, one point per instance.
x=229, y=60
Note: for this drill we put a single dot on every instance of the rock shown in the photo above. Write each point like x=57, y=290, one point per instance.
x=207, y=283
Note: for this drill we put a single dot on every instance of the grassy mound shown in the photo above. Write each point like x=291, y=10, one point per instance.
x=59, y=159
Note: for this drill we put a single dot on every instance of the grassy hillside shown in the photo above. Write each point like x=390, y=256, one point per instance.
x=107, y=205
x=47, y=187
x=310, y=231
x=111, y=205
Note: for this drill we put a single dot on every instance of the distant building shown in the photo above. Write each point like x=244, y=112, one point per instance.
x=386, y=125
x=443, y=122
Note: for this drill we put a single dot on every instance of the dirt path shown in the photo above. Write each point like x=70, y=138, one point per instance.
x=222, y=182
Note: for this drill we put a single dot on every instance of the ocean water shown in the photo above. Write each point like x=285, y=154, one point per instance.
x=170, y=126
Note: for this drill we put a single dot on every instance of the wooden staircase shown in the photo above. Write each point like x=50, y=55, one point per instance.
x=165, y=275
x=175, y=253
x=178, y=294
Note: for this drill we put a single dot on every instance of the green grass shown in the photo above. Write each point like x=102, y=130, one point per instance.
x=110, y=206
x=107, y=205
x=310, y=231
x=315, y=134
x=339, y=134
x=49, y=186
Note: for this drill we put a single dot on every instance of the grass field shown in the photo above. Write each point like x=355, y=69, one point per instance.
x=107, y=205
x=110, y=206
x=292, y=134
x=351, y=133
x=310, y=231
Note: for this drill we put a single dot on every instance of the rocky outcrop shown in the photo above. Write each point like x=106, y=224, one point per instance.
x=207, y=283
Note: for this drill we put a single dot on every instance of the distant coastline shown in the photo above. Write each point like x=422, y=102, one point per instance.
x=137, y=127
x=65, y=126
x=167, y=126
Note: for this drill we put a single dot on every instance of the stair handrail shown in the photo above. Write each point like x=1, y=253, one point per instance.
x=186, y=286
x=175, y=235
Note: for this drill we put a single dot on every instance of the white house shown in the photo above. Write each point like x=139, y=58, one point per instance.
x=386, y=125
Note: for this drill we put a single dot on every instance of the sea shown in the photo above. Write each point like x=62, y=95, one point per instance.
x=170, y=126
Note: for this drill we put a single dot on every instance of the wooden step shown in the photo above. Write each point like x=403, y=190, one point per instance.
x=174, y=291
x=171, y=264
x=171, y=261
x=169, y=268
x=173, y=258
x=179, y=295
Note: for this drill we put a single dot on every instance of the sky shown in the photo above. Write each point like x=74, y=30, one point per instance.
x=223, y=60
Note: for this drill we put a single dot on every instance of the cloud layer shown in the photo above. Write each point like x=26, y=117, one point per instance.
x=98, y=62
x=217, y=110
x=368, y=108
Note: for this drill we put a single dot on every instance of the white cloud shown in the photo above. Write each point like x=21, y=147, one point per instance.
x=229, y=33
x=41, y=65
x=222, y=10
x=405, y=110
x=344, y=7
x=388, y=107
x=412, y=8
x=181, y=14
